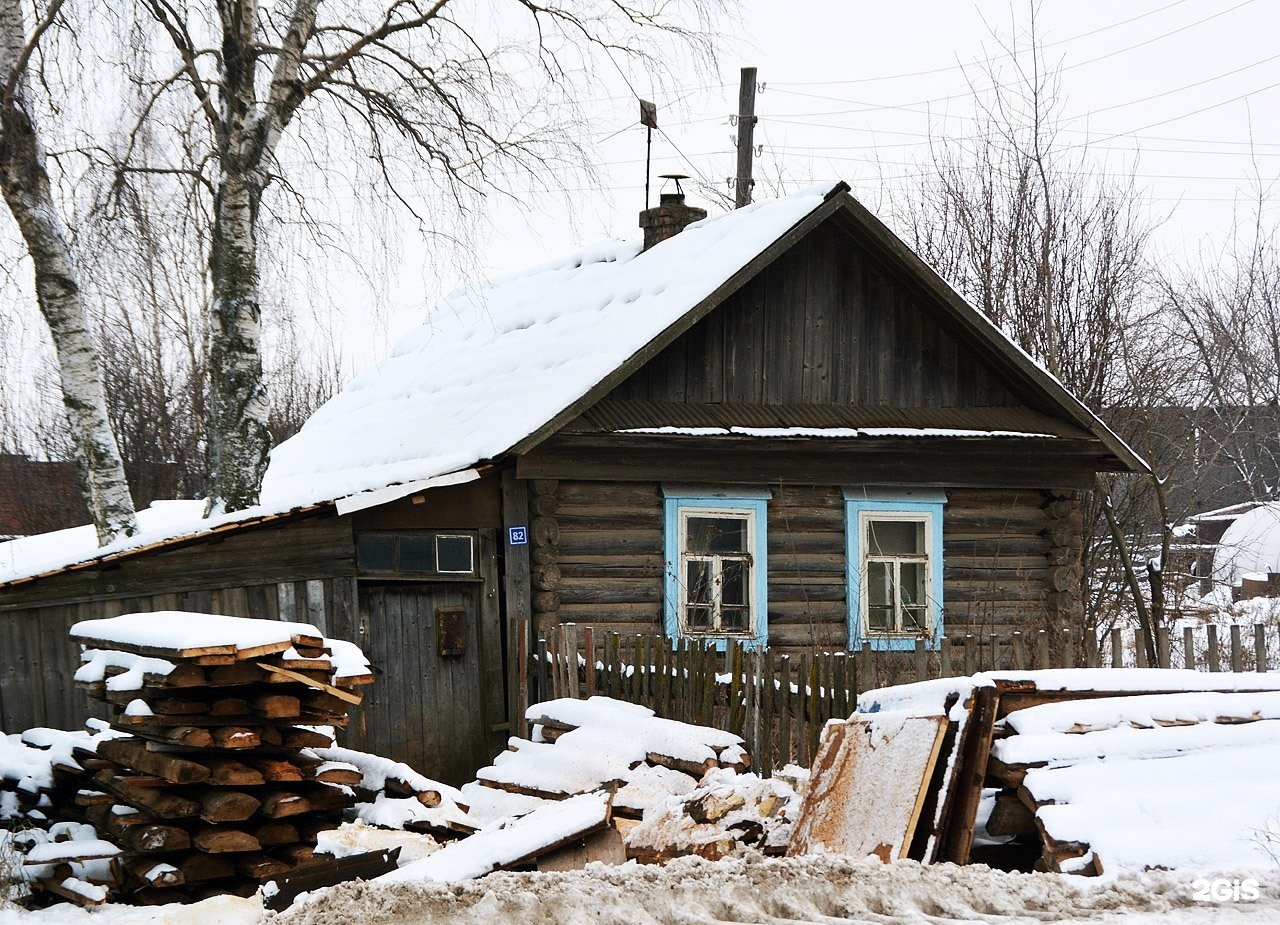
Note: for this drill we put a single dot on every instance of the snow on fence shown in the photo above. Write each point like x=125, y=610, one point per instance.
x=778, y=702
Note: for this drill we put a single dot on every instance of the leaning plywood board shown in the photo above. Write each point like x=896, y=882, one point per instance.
x=542, y=831
x=868, y=785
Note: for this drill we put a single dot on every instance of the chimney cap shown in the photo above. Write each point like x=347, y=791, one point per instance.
x=675, y=178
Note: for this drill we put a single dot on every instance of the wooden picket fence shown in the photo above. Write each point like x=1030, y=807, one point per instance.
x=779, y=702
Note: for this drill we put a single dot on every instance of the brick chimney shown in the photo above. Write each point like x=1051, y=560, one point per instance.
x=670, y=216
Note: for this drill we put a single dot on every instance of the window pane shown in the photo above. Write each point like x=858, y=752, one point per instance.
x=895, y=537
x=698, y=582
x=454, y=554
x=710, y=535
x=912, y=576
x=376, y=551
x=733, y=583
x=416, y=554
x=698, y=618
x=734, y=619
x=880, y=596
x=913, y=619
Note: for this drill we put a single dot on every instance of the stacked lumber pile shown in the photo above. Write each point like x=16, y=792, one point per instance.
x=39, y=778
x=1074, y=771
x=212, y=789
x=1120, y=782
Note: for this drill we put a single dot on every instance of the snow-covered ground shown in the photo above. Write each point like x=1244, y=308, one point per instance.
x=746, y=890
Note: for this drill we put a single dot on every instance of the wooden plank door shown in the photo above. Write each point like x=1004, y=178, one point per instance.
x=426, y=708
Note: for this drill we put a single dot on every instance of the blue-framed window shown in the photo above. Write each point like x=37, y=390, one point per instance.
x=893, y=567
x=716, y=564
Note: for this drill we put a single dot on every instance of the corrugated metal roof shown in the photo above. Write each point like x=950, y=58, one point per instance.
x=609, y=416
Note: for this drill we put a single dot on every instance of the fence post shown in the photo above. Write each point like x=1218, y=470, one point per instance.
x=1140, y=650
x=589, y=647
x=752, y=731
x=1091, y=655
x=1162, y=647
x=1259, y=647
x=519, y=724
x=785, y=755
x=944, y=659
x=1188, y=647
x=1215, y=657
x=543, y=671
x=1117, y=648
x=922, y=665
x=1042, y=649
x=995, y=652
x=1019, y=651
x=970, y=655
x=1237, y=649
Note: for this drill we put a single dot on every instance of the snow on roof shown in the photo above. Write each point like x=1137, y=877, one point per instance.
x=497, y=361
x=1251, y=545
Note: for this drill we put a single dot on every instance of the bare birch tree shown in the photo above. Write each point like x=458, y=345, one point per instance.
x=29, y=193
x=459, y=99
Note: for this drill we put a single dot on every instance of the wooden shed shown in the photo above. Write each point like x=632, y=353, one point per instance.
x=776, y=425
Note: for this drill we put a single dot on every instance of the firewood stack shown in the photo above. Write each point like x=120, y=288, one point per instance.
x=212, y=790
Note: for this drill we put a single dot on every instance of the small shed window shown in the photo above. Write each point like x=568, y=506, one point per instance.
x=894, y=568
x=415, y=554
x=455, y=554
x=716, y=567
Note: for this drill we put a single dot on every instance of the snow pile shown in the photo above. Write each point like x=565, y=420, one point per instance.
x=828, y=889
x=721, y=816
x=74, y=847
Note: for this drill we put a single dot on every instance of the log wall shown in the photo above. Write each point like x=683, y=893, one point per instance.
x=1002, y=552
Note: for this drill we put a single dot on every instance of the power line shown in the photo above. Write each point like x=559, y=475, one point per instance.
x=872, y=107
x=960, y=67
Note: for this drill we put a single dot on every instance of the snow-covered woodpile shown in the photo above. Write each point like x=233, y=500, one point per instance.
x=1125, y=781
x=38, y=777
x=677, y=789
x=212, y=787
x=1079, y=771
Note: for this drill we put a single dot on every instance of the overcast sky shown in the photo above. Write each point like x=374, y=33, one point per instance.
x=1184, y=94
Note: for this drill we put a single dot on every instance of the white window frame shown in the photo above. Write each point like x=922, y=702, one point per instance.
x=717, y=561
x=864, y=503
x=925, y=558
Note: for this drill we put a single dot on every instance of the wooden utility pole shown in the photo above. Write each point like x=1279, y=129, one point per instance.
x=746, y=134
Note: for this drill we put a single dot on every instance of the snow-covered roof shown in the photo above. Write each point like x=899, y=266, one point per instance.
x=494, y=363
x=1250, y=546
x=499, y=362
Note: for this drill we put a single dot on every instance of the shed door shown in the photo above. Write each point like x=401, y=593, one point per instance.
x=426, y=707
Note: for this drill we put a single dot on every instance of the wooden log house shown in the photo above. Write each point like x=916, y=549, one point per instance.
x=777, y=425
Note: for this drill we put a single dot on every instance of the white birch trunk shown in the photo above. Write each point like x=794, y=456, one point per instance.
x=24, y=181
x=239, y=442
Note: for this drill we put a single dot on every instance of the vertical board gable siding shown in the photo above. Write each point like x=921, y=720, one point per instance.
x=824, y=324
x=611, y=561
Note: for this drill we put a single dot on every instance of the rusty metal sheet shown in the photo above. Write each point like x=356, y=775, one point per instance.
x=869, y=783
x=451, y=631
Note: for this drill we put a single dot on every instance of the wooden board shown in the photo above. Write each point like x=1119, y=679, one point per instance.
x=869, y=782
